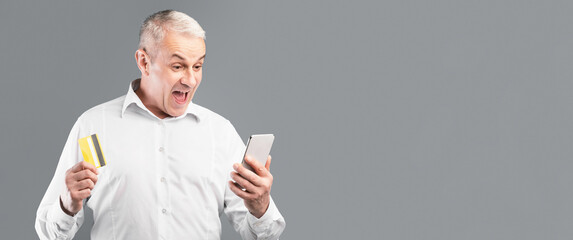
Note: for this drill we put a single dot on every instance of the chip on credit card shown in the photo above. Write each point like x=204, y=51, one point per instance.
x=91, y=150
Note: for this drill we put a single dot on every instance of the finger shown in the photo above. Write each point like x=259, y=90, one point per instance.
x=77, y=167
x=90, y=167
x=268, y=164
x=84, y=184
x=83, y=165
x=247, y=174
x=81, y=194
x=85, y=174
x=235, y=187
x=244, y=183
x=258, y=167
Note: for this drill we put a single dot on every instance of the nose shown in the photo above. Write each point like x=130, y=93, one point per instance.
x=189, y=78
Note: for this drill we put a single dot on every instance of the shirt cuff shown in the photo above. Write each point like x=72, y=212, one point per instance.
x=64, y=221
x=260, y=225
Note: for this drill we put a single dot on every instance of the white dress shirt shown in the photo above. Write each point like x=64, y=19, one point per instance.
x=164, y=178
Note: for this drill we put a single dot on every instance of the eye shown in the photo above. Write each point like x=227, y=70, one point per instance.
x=177, y=67
x=197, y=67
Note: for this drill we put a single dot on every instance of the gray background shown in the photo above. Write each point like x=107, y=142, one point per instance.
x=394, y=119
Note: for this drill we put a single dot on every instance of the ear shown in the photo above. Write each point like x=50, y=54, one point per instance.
x=143, y=61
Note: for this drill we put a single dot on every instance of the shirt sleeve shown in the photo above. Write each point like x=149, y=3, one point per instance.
x=51, y=221
x=269, y=226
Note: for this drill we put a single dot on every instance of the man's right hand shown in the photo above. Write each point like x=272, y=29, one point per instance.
x=80, y=180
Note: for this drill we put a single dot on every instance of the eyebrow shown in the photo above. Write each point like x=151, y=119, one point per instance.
x=182, y=58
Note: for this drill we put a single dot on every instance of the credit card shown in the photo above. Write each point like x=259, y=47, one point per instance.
x=91, y=150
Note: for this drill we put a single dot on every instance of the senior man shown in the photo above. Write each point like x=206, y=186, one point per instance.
x=172, y=166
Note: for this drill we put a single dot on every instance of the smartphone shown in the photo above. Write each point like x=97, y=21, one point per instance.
x=258, y=147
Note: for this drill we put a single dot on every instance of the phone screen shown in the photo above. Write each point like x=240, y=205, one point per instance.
x=258, y=147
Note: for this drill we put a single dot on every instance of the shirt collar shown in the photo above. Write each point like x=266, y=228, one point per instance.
x=132, y=98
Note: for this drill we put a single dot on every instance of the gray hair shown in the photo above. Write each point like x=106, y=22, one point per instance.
x=153, y=29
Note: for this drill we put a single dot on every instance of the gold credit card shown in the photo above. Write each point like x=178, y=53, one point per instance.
x=91, y=150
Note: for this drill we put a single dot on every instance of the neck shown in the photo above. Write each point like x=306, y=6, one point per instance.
x=147, y=102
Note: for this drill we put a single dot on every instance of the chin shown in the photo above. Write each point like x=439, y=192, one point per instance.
x=177, y=112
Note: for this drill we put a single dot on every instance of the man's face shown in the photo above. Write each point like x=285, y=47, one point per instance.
x=174, y=74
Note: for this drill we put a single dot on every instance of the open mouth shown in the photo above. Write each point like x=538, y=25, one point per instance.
x=180, y=97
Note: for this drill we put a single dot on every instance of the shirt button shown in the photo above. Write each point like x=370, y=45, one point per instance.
x=162, y=179
x=161, y=149
x=164, y=210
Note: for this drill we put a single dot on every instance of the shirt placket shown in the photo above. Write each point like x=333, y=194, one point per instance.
x=162, y=179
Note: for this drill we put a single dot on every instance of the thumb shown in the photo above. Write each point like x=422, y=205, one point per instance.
x=268, y=164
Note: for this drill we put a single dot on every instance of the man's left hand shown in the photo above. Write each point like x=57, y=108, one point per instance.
x=257, y=185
